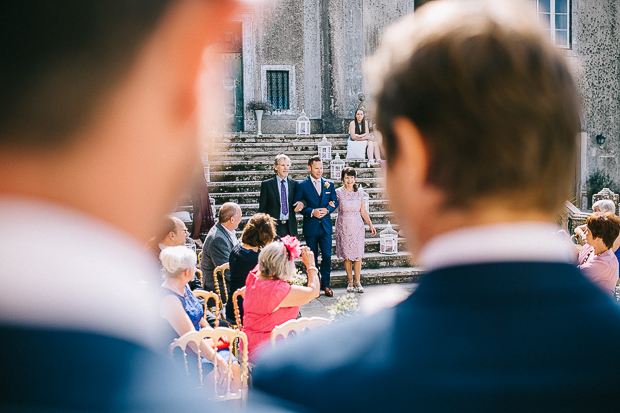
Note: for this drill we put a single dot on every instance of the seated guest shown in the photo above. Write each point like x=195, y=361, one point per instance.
x=269, y=299
x=219, y=242
x=174, y=232
x=258, y=232
x=597, y=258
x=183, y=311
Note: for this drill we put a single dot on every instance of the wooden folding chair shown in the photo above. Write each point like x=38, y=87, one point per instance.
x=235, y=338
x=206, y=295
x=296, y=327
x=239, y=293
x=223, y=292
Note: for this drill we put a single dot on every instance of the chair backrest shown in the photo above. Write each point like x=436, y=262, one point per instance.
x=237, y=339
x=222, y=292
x=239, y=293
x=199, y=257
x=200, y=277
x=296, y=326
x=206, y=295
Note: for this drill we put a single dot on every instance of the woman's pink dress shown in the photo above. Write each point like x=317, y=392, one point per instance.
x=261, y=298
x=349, y=225
x=601, y=269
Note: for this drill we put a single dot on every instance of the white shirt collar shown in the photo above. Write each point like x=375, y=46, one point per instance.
x=232, y=234
x=88, y=274
x=519, y=241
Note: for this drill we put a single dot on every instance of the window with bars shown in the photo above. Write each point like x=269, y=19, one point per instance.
x=277, y=89
x=555, y=16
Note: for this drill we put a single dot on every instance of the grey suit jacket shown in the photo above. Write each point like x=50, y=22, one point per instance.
x=215, y=252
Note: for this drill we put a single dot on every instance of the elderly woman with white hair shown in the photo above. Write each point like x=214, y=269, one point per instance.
x=269, y=299
x=182, y=310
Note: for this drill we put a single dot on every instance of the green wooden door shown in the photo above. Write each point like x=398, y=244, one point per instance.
x=233, y=91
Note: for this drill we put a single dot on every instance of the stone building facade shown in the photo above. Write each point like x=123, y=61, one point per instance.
x=307, y=55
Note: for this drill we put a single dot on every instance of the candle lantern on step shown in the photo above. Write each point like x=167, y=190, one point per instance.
x=365, y=196
x=336, y=166
x=325, y=149
x=206, y=166
x=303, y=124
x=388, y=240
x=212, y=202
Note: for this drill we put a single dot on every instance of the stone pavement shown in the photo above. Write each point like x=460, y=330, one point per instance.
x=374, y=298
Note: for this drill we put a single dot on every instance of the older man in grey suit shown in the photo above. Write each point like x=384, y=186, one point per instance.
x=219, y=242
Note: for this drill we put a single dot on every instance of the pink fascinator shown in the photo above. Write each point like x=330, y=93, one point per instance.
x=292, y=246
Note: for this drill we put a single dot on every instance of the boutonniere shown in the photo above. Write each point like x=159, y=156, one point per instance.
x=326, y=184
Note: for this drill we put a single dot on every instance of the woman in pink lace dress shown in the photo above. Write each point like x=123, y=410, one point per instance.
x=350, y=228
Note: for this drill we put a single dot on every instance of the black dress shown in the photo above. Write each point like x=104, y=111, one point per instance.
x=242, y=261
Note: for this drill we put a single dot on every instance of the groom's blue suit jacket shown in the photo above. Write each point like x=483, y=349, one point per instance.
x=311, y=199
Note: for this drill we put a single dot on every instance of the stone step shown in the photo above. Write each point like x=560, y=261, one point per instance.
x=266, y=164
x=268, y=156
x=371, y=244
x=374, y=260
x=253, y=197
x=297, y=174
x=386, y=275
x=376, y=205
x=252, y=138
x=377, y=218
x=278, y=147
x=254, y=186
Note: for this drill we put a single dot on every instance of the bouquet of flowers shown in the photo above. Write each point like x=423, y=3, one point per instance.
x=346, y=306
x=299, y=279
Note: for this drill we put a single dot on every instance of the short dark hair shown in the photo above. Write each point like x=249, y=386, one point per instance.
x=259, y=231
x=313, y=159
x=604, y=225
x=492, y=97
x=60, y=58
x=349, y=170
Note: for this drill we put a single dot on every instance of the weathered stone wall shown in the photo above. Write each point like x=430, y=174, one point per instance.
x=279, y=41
x=598, y=36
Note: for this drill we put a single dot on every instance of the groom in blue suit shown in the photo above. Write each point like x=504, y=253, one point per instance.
x=316, y=193
x=479, y=116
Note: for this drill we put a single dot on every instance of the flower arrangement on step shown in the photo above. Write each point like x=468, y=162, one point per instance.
x=346, y=306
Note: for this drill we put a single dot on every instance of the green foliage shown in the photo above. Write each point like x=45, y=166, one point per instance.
x=259, y=105
x=597, y=181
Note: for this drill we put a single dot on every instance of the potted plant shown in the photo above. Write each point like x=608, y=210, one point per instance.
x=258, y=107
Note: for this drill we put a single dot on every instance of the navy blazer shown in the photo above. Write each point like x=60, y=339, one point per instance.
x=269, y=201
x=500, y=337
x=308, y=195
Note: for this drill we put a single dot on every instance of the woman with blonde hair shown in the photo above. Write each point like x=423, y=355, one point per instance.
x=269, y=299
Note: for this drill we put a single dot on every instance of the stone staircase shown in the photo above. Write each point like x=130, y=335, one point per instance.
x=240, y=162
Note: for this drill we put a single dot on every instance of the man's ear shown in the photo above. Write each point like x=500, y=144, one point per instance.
x=411, y=150
x=190, y=27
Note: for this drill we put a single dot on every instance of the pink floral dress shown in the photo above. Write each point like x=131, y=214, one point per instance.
x=349, y=225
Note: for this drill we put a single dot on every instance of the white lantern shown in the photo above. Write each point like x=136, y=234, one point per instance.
x=303, y=124
x=366, y=197
x=337, y=165
x=325, y=149
x=212, y=202
x=388, y=243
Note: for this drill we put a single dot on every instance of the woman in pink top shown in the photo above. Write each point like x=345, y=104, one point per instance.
x=269, y=300
x=597, y=258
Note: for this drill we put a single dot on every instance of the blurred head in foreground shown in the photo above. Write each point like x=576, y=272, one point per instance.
x=479, y=117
